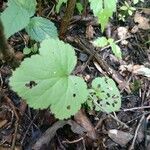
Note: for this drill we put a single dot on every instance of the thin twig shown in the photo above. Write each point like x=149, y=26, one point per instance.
x=16, y=122
x=136, y=133
x=74, y=141
x=136, y=108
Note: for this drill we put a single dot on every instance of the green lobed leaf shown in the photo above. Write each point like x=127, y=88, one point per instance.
x=44, y=80
x=41, y=28
x=106, y=94
x=28, y=5
x=16, y=15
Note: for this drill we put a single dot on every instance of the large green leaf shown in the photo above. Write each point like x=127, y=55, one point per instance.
x=41, y=28
x=44, y=80
x=16, y=15
x=28, y=5
x=106, y=94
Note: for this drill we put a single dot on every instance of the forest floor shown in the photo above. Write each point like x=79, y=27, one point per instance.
x=24, y=128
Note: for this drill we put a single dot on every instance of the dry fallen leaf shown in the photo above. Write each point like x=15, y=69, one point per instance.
x=89, y=32
x=81, y=118
x=143, y=22
x=123, y=33
x=136, y=69
x=120, y=137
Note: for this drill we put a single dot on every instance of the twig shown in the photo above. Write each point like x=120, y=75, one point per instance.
x=136, y=108
x=16, y=122
x=74, y=141
x=136, y=133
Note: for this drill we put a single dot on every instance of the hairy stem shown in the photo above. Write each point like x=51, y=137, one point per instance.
x=67, y=17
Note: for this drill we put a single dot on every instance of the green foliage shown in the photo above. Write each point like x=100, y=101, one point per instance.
x=103, y=10
x=104, y=95
x=41, y=28
x=137, y=1
x=44, y=80
x=33, y=49
x=102, y=41
x=79, y=7
x=60, y=2
x=125, y=11
x=16, y=16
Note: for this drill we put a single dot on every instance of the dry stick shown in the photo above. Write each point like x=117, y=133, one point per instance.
x=136, y=132
x=89, y=48
x=136, y=108
x=16, y=122
x=74, y=141
x=67, y=18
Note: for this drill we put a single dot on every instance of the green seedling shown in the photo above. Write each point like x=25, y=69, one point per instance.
x=125, y=11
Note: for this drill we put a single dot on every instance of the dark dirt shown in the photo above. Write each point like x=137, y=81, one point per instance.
x=23, y=126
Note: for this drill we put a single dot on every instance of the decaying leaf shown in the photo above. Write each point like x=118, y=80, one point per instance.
x=136, y=69
x=143, y=23
x=120, y=137
x=50, y=133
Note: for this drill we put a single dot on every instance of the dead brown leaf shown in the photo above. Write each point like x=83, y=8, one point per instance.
x=143, y=23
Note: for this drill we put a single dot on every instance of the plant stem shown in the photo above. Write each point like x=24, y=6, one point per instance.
x=67, y=17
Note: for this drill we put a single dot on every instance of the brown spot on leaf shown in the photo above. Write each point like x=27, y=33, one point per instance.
x=31, y=84
x=68, y=107
x=74, y=95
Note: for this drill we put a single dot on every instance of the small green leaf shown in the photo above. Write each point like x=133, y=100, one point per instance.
x=110, y=40
x=60, y=2
x=41, y=28
x=130, y=12
x=96, y=6
x=132, y=8
x=26, y=50
x=106, y=94
x=103, y=9
x=103, y=18
x=79, y=7
x=127, y=4
x=34, y=49
x=123, y=8
x=116, y=50
x=135, y=1
x=44, y=80
x=100, y=42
